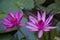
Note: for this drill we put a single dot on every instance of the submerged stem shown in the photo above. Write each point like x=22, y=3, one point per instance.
x=44, y=36
x=27, y=37
x=22, y=32
x=49, y=36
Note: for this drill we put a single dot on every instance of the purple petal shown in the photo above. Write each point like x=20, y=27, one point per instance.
x=33, y=19
x=32, y=28
x=18, y=15
x=22, y=24
x=49, y=19
x=31, y=24
x=46, y=30
x=11, y=15
x=44, y=16
x=8, y=29
x=40, y=34
x=52, y=27
x=10, y=26
x=21, y=16
x=39, y=16
x=5, y=23
x=7, y=20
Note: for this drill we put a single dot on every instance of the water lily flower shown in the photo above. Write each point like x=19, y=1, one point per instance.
x=13, y=20
x=41, y=24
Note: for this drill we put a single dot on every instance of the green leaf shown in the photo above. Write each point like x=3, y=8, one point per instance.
x=51, y=8
x=54, y=8
x=3, y=15
x=17, y=37
x=58, y=26
x=27, y=4
x=58, y=12
x=53, y=34
x=57, y=1
x=13, y=5
x=8, y=6
x=46, y=35
x=58, y=6
x=23, y=38
x=39, y=2
x=5, y=36
x=58, y=29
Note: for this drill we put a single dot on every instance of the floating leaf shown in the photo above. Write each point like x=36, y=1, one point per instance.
x=53, y=34
x=6, y=36
x=3, y=15
x=58, y=27
x=39, y=2
x=51, y=8
x=27, y=4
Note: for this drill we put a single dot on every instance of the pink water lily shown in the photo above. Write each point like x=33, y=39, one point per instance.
x=40, y=24
x=13, y=20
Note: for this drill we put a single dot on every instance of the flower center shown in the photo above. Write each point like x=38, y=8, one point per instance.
x=14, y=21
x=40, y=22
x=40, y=25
